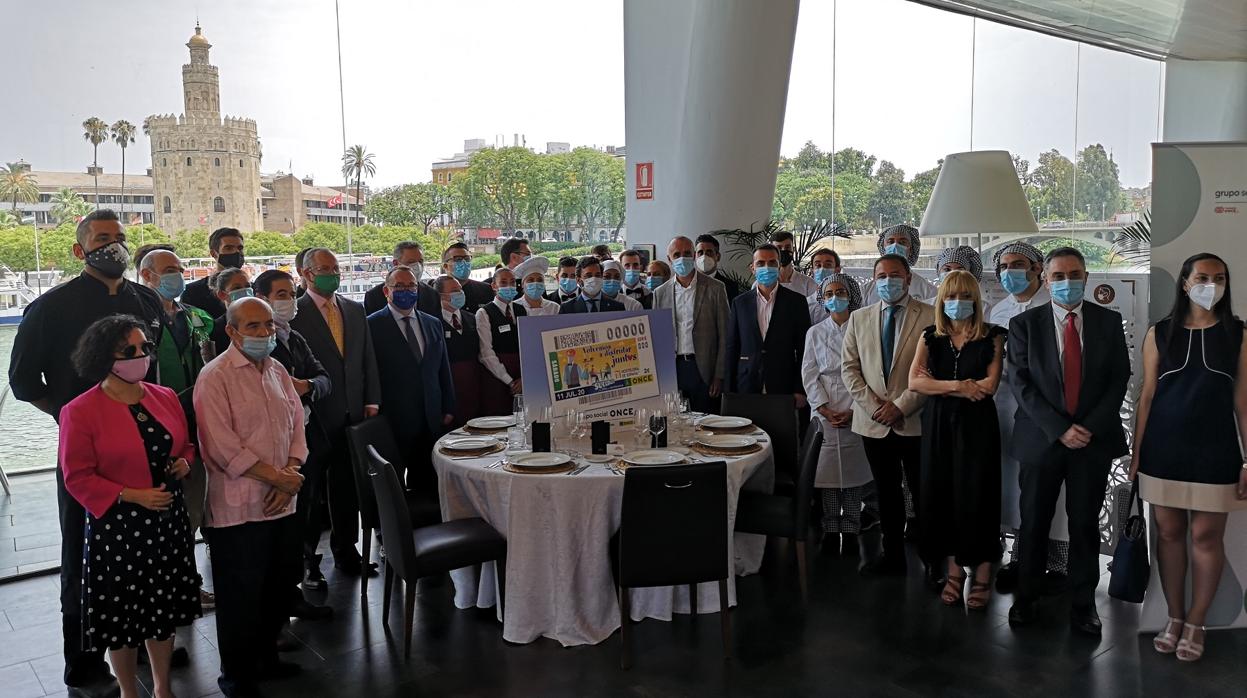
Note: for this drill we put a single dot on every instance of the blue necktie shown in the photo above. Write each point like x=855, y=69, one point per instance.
x=889, y=339
x=593, y=305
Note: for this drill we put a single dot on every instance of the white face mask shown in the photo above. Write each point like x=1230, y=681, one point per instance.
x=592, y=286
x=1206, y=295
x=706, y=264
x=284, y=310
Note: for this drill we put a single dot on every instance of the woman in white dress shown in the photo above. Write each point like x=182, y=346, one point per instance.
x=843, y=473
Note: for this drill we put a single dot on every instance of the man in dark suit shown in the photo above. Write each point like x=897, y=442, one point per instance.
x=633, y=287
x=707, y=250
x=406, y=254
x=457, y=263
x=416, y=387
x=226, y=247
x=568, y=284
x=337, y=332
x=590, y=299
x=766, y=333
x=1068, y=368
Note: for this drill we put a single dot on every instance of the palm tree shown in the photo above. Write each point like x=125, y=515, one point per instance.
x=357, y=162
x=123, y=135
x=8, y=220
x=18, y=184
x=95, y=131
x=67, y=205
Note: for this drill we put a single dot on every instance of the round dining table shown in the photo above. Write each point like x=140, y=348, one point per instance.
x=558, y=526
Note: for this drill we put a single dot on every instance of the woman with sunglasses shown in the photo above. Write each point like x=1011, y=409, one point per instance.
x=124, y=451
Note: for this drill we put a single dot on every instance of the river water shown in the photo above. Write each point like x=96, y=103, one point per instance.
x=27, y=436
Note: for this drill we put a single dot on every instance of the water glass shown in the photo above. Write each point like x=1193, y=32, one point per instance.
x=657, y=425
x=516, y=440
x=642, y=426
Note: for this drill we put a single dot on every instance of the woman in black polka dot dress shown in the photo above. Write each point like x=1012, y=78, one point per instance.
x=124, y=450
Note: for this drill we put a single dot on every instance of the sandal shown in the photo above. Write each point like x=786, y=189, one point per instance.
x=1188, y=650
x=980, y=594
x=1167, y=641
x=953, y=586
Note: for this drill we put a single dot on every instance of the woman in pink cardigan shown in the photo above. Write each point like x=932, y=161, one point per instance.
x=124, y=450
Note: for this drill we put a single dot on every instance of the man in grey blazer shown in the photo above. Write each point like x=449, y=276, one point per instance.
x=337, y=332
x=698, y=305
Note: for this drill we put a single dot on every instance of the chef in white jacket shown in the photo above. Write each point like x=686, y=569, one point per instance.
x=843, y=474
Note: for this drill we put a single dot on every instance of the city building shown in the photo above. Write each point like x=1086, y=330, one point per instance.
x=289, y=203
x=138, y=194
x=444, y=171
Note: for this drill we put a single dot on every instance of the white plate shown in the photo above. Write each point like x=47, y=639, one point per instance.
x=599, y=458
x=539, y=460
x=491, y=422
x=717, y=422
x=727, y=441
x=654, y=456
x=470, y=443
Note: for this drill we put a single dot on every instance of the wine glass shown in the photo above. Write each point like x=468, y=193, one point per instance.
x=517, y=407
x=571, y=424
x=658, y=425
x=643, y=432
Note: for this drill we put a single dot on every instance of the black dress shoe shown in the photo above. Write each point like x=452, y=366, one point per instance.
x=848, y=545
x=1085, y=619
x=234, y=689
x=830, y=544
x=104, y=687
x=277, y=670
x=313, y=580
x=1007, y=578
x=355, y=567
x=1022, y=613
x=885, y=566
x=307, y=610
x=932, y=577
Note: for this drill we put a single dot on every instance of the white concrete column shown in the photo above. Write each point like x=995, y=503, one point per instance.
x=1205, y=101
x=706, y=84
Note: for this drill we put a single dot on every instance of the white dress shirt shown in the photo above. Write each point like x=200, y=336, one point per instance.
x=1058, y=316
x=801, y=283
x=765, y=309
x=1010, y=307
x=484, y=330
x=402, y=325
x=684, y=316
x=547, y=307
x=629, y=303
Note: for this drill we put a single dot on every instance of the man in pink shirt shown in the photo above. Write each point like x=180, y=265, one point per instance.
x=251, y=438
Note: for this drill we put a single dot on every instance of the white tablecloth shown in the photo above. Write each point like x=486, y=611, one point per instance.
x=557, y=528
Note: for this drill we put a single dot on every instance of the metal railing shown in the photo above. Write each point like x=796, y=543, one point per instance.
x=4, y=478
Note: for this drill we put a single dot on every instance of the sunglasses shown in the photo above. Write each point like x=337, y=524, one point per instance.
x=130, y=351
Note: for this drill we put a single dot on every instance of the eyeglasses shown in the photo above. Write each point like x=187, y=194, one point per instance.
x=130, y=351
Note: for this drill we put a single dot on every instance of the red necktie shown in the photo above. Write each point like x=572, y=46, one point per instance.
x=454, y=322
x=1072, y=363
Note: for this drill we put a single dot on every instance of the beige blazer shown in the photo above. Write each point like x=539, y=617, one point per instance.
x=710, y=315
x=863, y=368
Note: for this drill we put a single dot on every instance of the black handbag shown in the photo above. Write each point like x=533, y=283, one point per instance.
x=1130, y=570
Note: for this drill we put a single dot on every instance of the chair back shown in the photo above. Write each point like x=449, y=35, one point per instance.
x=777, y=416
x=400, y=549
x=803, y=500
x=374, y=432
x=673, y=528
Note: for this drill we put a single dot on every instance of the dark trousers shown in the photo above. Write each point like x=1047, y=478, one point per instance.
x=889, y=457
x=329, y=474
x=251, y=566
x=689, y=380
x=82, y=667
x=1086, y=479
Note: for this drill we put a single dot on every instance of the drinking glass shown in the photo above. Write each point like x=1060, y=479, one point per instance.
x=571, y=424
x=517, y=408
x=657, y=424
x=643, y=432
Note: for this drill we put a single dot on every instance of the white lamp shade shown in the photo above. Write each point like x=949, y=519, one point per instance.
x=978, y=192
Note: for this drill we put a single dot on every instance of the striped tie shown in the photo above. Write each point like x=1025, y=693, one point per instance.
x=334, y=320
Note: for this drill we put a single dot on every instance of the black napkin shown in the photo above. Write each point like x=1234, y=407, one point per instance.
x=601, y=437
x=541, y=437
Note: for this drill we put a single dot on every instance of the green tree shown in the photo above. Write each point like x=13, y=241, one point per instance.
x=8, y=220
x=95, y=132
x=791, y=186
x=810, y=157
x=890, y=201
x=18, y=184
x=191, y=243
x=146, y=234
x=265, y=243
x=854, y=161
x=68, y=206
x=410, y=204
x=816, y=204
x=123, y=135
x=546, y=181
x=357, y=162
x=593, y=185
x=17, y=247
x=494, y=190
x=1099, y=184
x=1053, y=179
x=854, y=193
x=331, y=235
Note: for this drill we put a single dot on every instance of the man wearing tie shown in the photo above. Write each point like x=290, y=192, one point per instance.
x=633, y=287
x=416, y=386
x=699, y=309
x=406, y=254
x=766, y=333
x=1068, y=368
x=500, y=345
x=590, y=300
x=463, y=349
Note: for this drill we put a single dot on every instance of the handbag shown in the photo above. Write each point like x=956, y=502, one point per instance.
x=1130, y=570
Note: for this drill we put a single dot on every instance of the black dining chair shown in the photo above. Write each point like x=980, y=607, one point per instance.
x=673, y=531
x=427, y=550
x=777, y=416
x=424, y=507
x=782, y=515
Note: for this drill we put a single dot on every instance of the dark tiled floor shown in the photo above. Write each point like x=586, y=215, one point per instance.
x=856, y=637
x=30, y=538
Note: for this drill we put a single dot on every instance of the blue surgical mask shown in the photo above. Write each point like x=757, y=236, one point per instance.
x=683, y=266
x=890, y=289
x=1068, y=291
x=896, y=249
x=632, y=276
x=611, y=287
x=404, y=299
x=534, y=290
x=258, y=348
x=171, y=285
x=821, y=275
x=461, y=269
x=836, y=304
x=1015, y=281
x=654, y=282
x=958, y=309
x=766, y=276
x=458, y=299
x=568, y=286
x=240, y=293
x=508, y=293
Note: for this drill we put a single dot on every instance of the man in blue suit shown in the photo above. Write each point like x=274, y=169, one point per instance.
x=766, y=333
x=591, y=298
x=417, y=392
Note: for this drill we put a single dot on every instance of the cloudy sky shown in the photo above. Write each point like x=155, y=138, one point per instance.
x=420, y=77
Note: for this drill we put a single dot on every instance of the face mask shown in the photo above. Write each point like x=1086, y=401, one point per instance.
x=241, y=293
x=891, y=289
x=684, y=266
x=1015, y=281
x=508, y=293
x=766, y=276
x=821, y=275
x=417, y=269
x=568, y=286
x=284, y=310
x=611, y=287
x=131, y=370
x=896, y=248
x=258, y=348
x=458, y=299
x=326, y=284
x=593, y=286
x=1206, y=295
x=706, y=264
x=654, y=282
x=957, y=309
x=230, y=259
x=1068, y=291
x=835, y=304
x=785, y=258
x=171, y=285
x=109, y=260
x=404, y=299
x=534, y=290
x=461, y=269
x=632, y=276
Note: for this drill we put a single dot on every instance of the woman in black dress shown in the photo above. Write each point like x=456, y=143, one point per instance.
x=958, y=365
x=1192, y=364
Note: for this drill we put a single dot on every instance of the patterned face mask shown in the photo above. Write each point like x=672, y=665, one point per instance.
x=109, y=260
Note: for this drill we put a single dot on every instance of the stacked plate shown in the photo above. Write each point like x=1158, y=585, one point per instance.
x=529, y=462
x=726, y=425
x=489, y=425
x=467, y=446
x=652, y=456
x=726, y=444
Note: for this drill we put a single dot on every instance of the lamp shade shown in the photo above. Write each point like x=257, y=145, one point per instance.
x=975, y=193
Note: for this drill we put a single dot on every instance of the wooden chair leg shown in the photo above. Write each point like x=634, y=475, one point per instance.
x=409, y=616
x=387, y=588
x=801, y=577
x=366, y=544
x=692, y=599
x=726, y=618
x=625, y=619
x=500, y=571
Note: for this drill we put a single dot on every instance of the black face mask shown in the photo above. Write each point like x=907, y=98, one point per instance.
x=230, y=260
x=785, y=258
x=109, y=260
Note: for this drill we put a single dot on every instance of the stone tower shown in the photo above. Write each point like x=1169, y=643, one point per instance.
x=205, y=168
